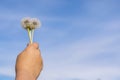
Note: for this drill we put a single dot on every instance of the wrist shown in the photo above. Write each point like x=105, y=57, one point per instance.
x=24, y=75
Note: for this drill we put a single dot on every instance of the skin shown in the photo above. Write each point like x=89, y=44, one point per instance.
x=29, y=63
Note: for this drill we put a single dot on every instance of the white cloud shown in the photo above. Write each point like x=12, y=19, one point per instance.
x=81, y=72
x=83, y=48
x=7, y=71
x=64, y=60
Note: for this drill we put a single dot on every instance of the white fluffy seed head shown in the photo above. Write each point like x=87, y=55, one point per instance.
x=35, y=23
x=26, y=22
x=31, y=23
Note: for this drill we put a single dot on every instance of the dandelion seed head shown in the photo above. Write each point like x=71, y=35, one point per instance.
x=31, y=23
x=26, y=22
x=35, y=23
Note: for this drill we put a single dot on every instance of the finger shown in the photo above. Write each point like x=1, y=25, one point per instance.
x=36, y=45
x=33, y=45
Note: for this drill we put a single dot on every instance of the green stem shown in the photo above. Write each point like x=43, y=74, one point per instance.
x=32, y=34
x=29, y=34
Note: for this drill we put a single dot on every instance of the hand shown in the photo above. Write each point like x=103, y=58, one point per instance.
x=29, y=63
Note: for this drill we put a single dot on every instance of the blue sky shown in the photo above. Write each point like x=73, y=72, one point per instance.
x=79, y=39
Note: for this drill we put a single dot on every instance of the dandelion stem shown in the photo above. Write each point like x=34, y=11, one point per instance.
x=29, y=34
x=32, y=34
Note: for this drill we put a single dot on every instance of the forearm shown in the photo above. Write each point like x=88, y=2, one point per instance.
x=22, y=75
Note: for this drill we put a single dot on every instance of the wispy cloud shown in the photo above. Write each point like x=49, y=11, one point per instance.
x=73, y=60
